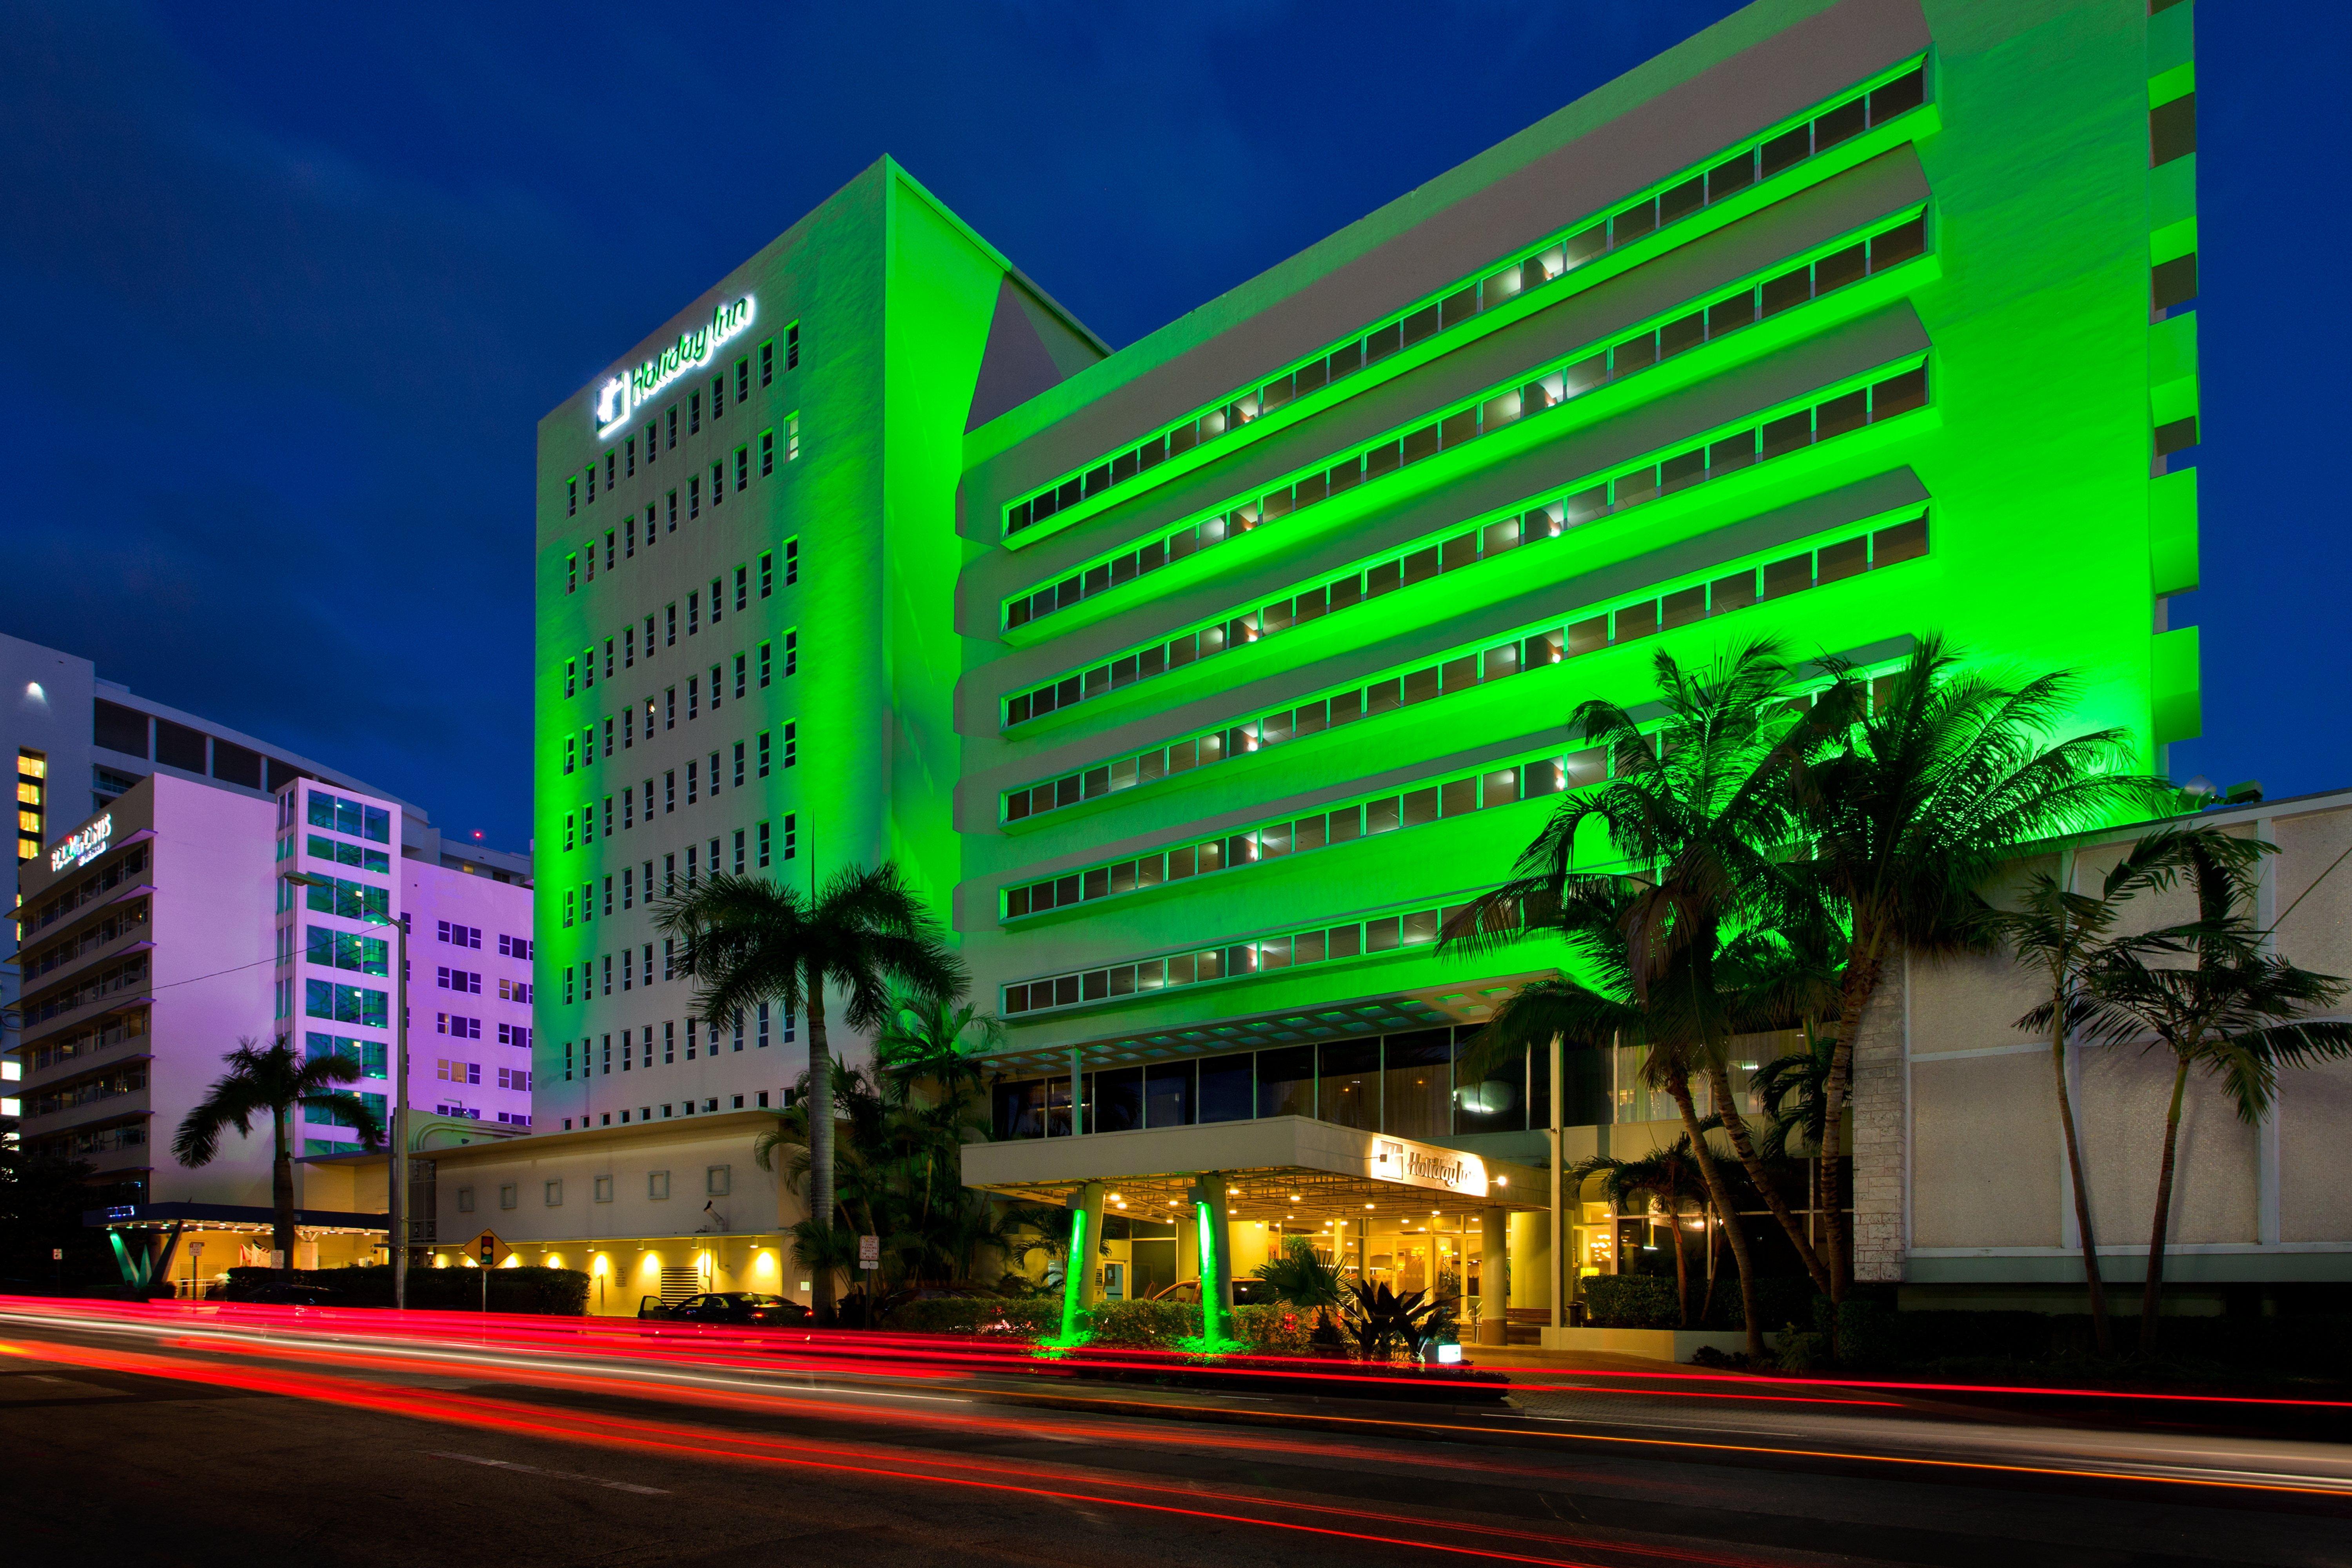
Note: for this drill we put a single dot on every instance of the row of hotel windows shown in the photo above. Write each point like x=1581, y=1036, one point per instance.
x=345, y=900
x=377, y=862
x=130, y=974
x=1899, y=393
x=580, y=674
x=756, y=849
x=450, y=1069
x=1407, y=1084
x=770, y=750
x=1330, y=943
x=757, y=1027
x=354, y=818
x=342, y=950
x=454, y=935
x=32, y=801
x=104, y=1034
x=580, y=750
x=1529, y=779
x=627, y=450
x=661, y=516
x=1369, y=581
x=1588, y=243
x=1496, y=409
x=95, y=886
x=644, y=1113
x=123, y=923
x=87, y=1092
x=470, y=982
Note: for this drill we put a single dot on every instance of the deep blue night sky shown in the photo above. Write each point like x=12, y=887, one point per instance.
x=289, y=287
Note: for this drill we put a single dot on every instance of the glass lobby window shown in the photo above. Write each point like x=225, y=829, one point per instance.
x=1227, y=1089
x=1349, y=1092
x=1168, y=1094
x=1058, y=1108
x=1497, y=1103
x=1020, y=1110
x=1286, y=1081
x=1419, y=1081
x=1118, y=1101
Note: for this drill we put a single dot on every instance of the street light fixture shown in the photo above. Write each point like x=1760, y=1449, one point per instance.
x=396, y=1169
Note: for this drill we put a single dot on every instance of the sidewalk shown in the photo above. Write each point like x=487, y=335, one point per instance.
x=1528, y=1358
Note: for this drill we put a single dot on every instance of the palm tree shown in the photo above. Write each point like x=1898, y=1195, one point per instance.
x=2056, y=929
x=1945, y=771
x=1792, y=1089
x=749, y=940
x=272, y=1081
x=1670, y=1177
x=1662, y=1021
x=1702, y=814
x=2209, y=991
x=1301, y=1278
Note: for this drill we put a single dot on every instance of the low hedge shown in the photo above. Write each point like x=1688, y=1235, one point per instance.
x=1144, y=1325
x=1649, y=1301
x=554, y=1292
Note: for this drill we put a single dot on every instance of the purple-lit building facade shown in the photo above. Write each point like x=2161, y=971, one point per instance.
x=159, y=932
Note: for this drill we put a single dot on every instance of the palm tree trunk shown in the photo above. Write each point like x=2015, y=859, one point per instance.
x=1863, y=971
x=2152, y=1294
x=1681, y=1262
x=1718, y=1079
x=2102, y=1334
x=1679, y=1087
x=820, y=1134
x=281, y=1186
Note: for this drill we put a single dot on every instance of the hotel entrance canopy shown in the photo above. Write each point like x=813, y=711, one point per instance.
x=1279, y=1166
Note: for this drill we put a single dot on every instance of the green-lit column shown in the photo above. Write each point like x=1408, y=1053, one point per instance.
x=1082, y=1275
x=1216, y=1263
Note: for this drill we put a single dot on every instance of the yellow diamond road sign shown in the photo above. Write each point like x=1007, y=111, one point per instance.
x=489, y=1251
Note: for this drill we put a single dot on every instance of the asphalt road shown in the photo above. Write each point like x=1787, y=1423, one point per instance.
x=171, y=1440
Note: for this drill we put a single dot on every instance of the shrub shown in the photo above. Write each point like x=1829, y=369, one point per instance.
x=1631, y=1302
x=1276, y=1330
x=1031, y=1319
x=1648, y=1302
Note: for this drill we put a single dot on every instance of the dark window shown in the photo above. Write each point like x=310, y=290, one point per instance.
x=1419, y=1069
x=2172, y=130
x=1497, y=1103
x=1168, y=1094
x=1118, y=1101
x=1348, y=1091
x=236, y=765
x=2177, y=437
x=118, y=728
x=1227, y=1092
x=2176, y=282
x=177, y=745
x=1286, y=1081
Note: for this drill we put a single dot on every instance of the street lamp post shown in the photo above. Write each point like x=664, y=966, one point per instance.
x=396, y=1169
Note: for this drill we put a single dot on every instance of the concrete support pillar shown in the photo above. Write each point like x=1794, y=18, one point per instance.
x=1085, y=1265
x=1530, y=1259
x=1558, y=1276
x=1215, y=1241
x=1494, y=1276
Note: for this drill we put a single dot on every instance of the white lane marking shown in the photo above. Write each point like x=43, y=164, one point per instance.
x=551, y=1475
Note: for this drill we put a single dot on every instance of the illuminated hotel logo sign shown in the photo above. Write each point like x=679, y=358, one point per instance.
x=86, y=846
x=1451, y=1171
x=619, y=398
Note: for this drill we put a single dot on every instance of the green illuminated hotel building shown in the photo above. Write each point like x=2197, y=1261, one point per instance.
x=1195, y=681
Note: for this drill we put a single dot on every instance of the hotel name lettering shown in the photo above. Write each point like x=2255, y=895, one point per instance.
x=622, y=396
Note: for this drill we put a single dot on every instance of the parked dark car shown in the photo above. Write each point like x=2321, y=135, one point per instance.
x=745, y=1307
x=1248, y=1292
